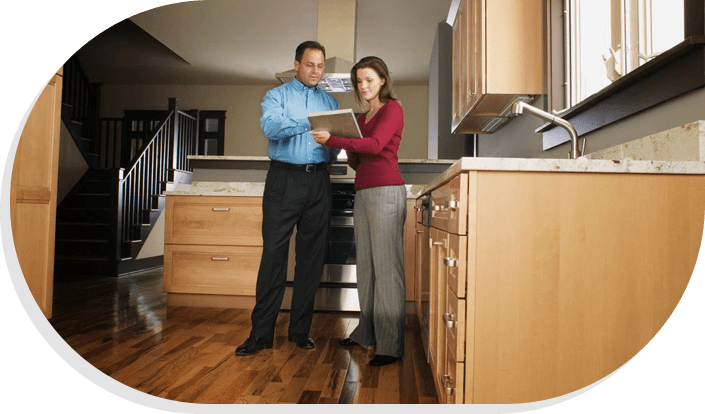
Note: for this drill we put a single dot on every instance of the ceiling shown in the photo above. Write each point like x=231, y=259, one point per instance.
x=223, y=42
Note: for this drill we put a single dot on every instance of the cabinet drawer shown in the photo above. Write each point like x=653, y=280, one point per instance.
x=453, y=379
x=454, y=321
x=213, y=220
x=218, y=270
x=456, y=263
x=449, y=206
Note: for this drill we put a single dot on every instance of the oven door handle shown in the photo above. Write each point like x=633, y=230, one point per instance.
x=338, y=221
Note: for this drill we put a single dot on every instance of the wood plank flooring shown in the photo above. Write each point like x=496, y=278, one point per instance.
x=124, y=328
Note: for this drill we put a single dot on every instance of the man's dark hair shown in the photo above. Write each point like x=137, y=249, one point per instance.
x=309, y=44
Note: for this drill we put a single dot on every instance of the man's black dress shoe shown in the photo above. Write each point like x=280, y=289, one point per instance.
x=252, y=345
x=347, y=342
x=303, y=341
x=380, y=360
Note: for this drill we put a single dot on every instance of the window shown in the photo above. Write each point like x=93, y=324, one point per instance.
x=606, y=39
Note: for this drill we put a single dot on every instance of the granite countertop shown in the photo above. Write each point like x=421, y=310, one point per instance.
x=248, y=189
x=266, y=159
x=582, y=164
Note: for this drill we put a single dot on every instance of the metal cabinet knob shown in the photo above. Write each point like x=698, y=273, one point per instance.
x=450, y=262
x=449, y=319
x=452, y=204
x=447, y=384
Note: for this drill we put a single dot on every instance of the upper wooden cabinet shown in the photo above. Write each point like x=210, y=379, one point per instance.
x=498, y=54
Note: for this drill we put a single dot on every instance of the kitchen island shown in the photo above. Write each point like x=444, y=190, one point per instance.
x=539, y=277
x=212, y=231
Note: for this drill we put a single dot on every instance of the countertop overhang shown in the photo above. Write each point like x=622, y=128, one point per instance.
x=580, y=165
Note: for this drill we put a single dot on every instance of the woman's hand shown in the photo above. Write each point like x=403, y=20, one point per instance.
x=320, y=137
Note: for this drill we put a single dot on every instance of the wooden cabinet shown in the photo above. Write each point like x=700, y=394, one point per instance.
x=33, y=194
x=543, y=283
x=498, y=57
x=212, y=246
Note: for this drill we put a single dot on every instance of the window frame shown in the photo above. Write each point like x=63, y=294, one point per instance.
x=674, y=72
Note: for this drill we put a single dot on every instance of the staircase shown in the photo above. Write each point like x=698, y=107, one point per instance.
x=104, y=221
x=83, y=229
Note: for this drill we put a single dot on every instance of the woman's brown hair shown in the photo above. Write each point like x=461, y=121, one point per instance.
x=378, y=65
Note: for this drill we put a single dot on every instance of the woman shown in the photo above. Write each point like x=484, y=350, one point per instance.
x=380, y=211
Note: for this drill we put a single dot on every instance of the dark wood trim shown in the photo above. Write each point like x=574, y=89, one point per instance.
x=694, y=18
x=673, y=73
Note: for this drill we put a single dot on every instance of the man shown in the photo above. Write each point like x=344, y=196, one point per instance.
x=297, y=193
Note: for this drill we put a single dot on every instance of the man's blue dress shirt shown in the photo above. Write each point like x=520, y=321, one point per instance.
x=285, y=123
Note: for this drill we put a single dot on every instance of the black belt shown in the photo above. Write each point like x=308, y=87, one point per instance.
x=302, y=167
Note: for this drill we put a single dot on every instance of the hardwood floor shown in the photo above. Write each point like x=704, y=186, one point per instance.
x=124, y=328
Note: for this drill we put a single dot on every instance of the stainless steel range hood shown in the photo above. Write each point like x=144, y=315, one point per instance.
x=336, y=32
x=336, y=77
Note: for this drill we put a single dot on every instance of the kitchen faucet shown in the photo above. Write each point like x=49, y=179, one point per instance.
x=519, y=107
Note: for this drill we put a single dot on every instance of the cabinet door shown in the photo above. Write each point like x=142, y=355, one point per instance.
x=33, y=194
x=476, y=50
x=460, y=38
x=439, y=288
x=422, y=281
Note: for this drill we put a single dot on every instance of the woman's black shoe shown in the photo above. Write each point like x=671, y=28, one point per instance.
x=380, y=360
x=347, y=342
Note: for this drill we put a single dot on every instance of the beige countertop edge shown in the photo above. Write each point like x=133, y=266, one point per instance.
x=242, y=189
x=581, y=165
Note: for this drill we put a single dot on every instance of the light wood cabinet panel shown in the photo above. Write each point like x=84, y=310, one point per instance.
x=216, y=270
x=33, y=194
x=498, y=57
x=214, y=220
x=422, y=284
x=453, y=379
x=568, y=276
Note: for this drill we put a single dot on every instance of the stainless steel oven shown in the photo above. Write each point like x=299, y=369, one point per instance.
x=338, y=289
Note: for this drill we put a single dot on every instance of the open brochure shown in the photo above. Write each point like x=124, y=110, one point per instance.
x=340, y=122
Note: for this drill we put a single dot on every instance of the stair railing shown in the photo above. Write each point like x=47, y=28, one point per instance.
x=166, y=151
x=81, y=99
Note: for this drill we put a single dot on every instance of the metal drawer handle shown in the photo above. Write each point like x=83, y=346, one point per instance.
x=419, y=231
x=221, y=208
x=220, y=258
x=452, y=204
x=449, y=319
x=436, y=208
x=448, y=380
x=450, y=262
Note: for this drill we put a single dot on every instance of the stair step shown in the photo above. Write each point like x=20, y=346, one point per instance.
x=83, y=247
x=92, y=231
x=84, y=215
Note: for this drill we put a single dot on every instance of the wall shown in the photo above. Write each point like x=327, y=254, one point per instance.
x=243, y=136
